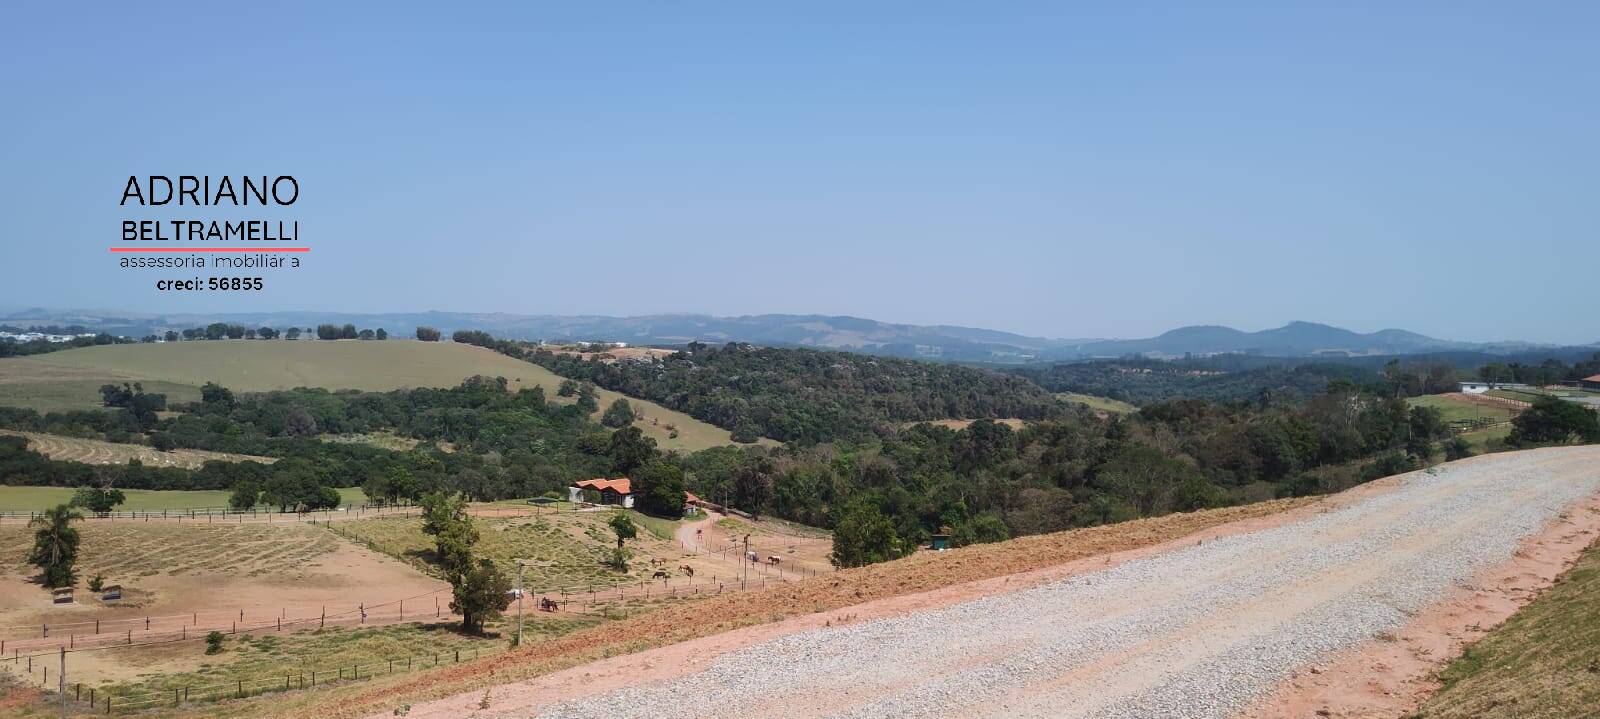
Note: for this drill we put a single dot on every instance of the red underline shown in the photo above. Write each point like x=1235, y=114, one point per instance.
x=210, y=249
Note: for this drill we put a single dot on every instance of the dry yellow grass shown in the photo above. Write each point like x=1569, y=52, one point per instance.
x=128, y=550
x=93, y=451
x=1543, y=663
x=921, y=572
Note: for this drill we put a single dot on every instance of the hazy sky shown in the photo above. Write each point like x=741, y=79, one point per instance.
x=1058, y=169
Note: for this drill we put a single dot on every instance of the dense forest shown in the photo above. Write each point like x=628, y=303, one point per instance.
x=1226, y=378
x=799, y=395
x=988, y=481
x=1144, y=381
x=1550, y=371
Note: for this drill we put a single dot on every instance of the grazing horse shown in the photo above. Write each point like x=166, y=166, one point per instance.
x=661, y=574
x=773, y=559
x=686, y=569
x=547, y=604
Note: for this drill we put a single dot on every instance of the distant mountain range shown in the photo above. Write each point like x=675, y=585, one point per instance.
x=965, y=344
x=1296, y=339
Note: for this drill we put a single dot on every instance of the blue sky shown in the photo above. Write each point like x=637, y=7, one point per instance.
x=1057, y=169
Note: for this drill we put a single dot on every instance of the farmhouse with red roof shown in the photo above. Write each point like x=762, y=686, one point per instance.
x=617, y=491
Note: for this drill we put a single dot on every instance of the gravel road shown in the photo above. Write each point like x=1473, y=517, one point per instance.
x=1194, y=632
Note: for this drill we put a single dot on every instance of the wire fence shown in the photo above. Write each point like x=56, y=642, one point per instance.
x=227, y=515
x=22, y=641
x=144, y=631
x=34, y=648
x=594, y=601
x=119, y=700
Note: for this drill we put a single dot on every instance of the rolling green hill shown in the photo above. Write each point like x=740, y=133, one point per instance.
x=71, y=379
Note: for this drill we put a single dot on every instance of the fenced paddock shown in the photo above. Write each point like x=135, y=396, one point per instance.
x=35, y=651
x=220, y=514
x=187, y=689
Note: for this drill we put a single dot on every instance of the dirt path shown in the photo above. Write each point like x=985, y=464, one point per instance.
x=689, y=535
x=1203, y=627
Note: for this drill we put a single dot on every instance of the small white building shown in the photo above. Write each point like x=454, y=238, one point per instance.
x=1479, y=387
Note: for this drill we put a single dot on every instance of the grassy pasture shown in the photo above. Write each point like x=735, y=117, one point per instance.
x=1103, y=404
x=1540, y=664
x=28, y=499
x=123, y=551
x=36, y=384
x=771, y=527
x=1487, y=440
x=567, y=548
x=1456, y=409
x=71, y=379
x=91, y=451
x=262, y=660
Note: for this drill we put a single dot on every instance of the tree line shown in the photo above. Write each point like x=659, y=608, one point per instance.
x=797, y=395
x=1550, y=371
x=11, y=347
x=988, y=481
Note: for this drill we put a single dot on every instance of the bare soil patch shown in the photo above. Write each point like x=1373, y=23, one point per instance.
x=200, y=576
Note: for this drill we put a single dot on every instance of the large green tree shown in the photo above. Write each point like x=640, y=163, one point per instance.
x=1553, y=421
x=98, y=499
x=622, y=525
x=295, y=485
x=630, y=450
x=55, y=545
x=479, y=590
x=1144, y=479
x=864, y=536
x=658, y=489
x=618, y=415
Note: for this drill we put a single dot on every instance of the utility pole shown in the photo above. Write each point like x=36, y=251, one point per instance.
x=744, y=559
x=61, y=676
x=518, y=641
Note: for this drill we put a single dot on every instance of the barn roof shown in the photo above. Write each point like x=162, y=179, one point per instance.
x=620, y=485
x=1595, y=378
